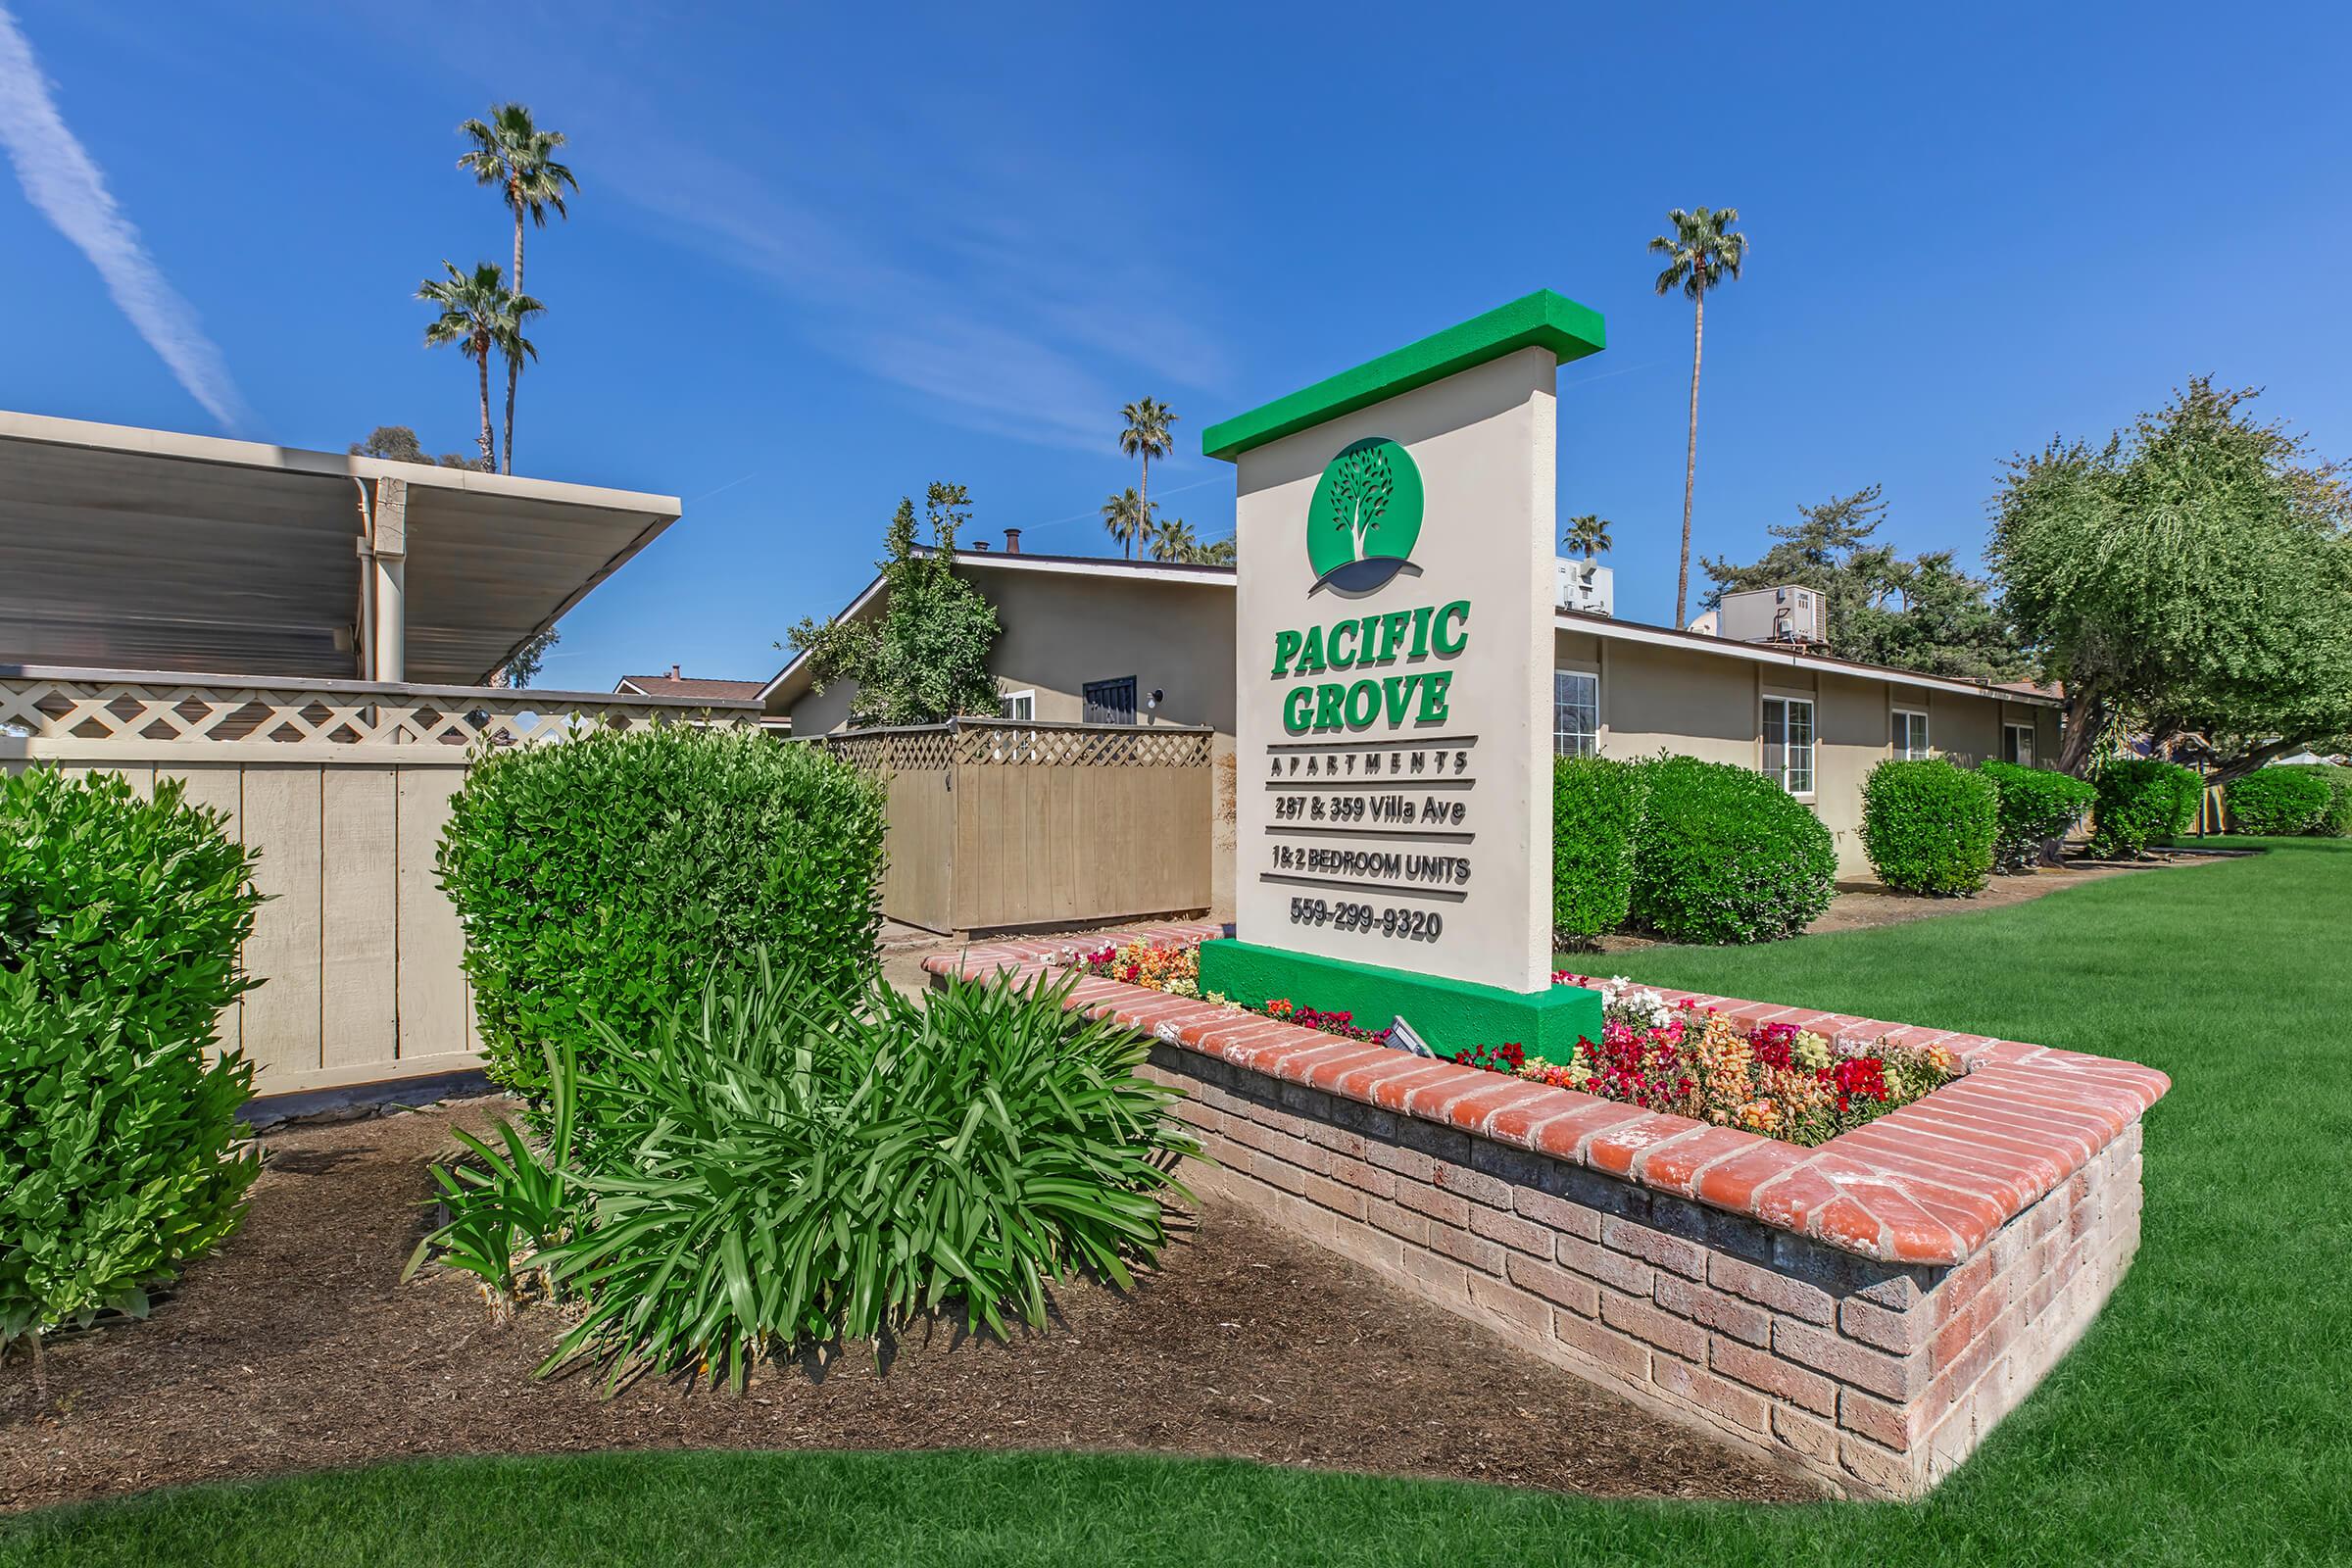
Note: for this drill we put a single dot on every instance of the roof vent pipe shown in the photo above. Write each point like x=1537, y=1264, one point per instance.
x=1012, y=541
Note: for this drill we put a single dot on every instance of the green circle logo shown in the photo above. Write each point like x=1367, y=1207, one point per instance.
x=1365, y=517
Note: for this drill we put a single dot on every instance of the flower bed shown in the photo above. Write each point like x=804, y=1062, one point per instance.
x=1867, y=1308
x=1659, y=1055
x=1175, y=968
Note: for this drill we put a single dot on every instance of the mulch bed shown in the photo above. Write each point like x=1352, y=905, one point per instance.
x=297, y=1348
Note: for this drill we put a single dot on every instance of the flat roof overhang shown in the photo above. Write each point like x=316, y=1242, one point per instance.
x=132, y=549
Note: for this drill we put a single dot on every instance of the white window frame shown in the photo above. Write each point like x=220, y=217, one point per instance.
x=1788, y=773
x=2024, y=746
x=1005, y=700
x=1565, y=741
x=1904, y=748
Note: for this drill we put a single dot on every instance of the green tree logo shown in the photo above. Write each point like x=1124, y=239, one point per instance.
x=1365, y=516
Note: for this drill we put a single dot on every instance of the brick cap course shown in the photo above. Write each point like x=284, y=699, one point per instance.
x=1928, y=1184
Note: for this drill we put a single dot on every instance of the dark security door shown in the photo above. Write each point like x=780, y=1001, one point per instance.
x=1111, y=702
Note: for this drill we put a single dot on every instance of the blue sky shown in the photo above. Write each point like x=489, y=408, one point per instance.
x=823, y=255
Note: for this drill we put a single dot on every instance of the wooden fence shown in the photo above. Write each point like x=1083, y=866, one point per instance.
x=344, y=787
x=997, y=823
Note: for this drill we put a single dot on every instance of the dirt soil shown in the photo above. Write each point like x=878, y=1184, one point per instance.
x=297, y=1348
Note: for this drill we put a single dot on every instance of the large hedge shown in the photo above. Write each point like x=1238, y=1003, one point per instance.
x=2139, y=800
x=609, y=876
x=1726, y=855
x=1595, y=818
x=2335, y=822
x=120, y=1158
x=1928, y=827
x=2279, y=802
x=2036, y=804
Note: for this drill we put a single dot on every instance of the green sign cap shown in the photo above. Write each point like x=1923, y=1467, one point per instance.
x=1542, y=319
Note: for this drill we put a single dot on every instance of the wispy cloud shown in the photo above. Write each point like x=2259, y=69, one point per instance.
x=68, y=187
x=1010, y=335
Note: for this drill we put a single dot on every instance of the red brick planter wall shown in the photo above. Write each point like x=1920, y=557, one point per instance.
x=1866, y=1311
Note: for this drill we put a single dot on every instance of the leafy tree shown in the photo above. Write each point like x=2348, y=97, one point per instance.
x=926, y=658
x=1923, y=614
x=482, y=316
x=1146, y=436
x=1589, y=533
x=1219, y=552
x=1127, y=519
x=2190, y=577
x=1362, y=484
x=1699, y=254
x=524, y=669
x=514, y=153
x=397, y=443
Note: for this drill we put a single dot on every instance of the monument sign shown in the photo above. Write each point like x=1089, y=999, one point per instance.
x=1397, y=533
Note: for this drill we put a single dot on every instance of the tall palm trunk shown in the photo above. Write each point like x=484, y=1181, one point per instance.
x=481, y=363
x=1143, y=504
x=514, y=360
x=1681, y=579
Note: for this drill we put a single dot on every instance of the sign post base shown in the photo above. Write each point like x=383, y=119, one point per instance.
x=1449, y=1015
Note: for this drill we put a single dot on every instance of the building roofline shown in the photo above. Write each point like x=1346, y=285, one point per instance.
x=270, y=458
x=1564, y=621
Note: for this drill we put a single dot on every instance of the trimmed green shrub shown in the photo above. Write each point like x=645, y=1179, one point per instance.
x=1595, y=817
x=2335, y=822
x=2036, y=804
x=781, y=1164
x=120, y=1158
x=2139, y=800
x=1725, y=854
x=2279, y=802
x=610, y=875
x=1928, y=827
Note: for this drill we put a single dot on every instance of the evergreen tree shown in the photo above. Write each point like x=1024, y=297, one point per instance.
x=1923, y=614
x=925, y=658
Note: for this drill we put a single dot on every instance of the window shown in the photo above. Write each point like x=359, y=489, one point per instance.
x=2017, y=744
x=1021, y=705
x=1911, y=734
x=1575, y=713
x=1788, y=742
x=1111, y=702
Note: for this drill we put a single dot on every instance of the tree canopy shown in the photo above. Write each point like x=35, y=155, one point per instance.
x=2191, y=577
x=398, y=444
x=926, y=658
x=1922, y=614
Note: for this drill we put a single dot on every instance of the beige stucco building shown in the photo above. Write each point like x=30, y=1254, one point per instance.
x=1145, y=642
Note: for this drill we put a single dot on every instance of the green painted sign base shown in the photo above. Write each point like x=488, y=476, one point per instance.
x=1448, y=1015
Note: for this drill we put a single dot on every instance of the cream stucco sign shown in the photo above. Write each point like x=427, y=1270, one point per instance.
x=1394, y=623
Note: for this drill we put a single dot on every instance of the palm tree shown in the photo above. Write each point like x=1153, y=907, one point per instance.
x=1175, y=541
x=1591, y=534
x=1146, y=436
x=482, y=316
x=1126, y=520
x=1700, y=252
x=514, y=153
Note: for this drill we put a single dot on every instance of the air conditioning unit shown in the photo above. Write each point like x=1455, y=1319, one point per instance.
x=1591, y=589
x=1792, y=614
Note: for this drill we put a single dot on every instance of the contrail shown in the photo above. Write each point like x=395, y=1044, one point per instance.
x=70, y=190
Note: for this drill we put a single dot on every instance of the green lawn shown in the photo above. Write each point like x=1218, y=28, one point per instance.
x=2206, y=1419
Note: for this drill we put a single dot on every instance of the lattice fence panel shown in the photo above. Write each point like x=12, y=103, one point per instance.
x=1106, y=746
x=897, y=751
x=104, y=710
